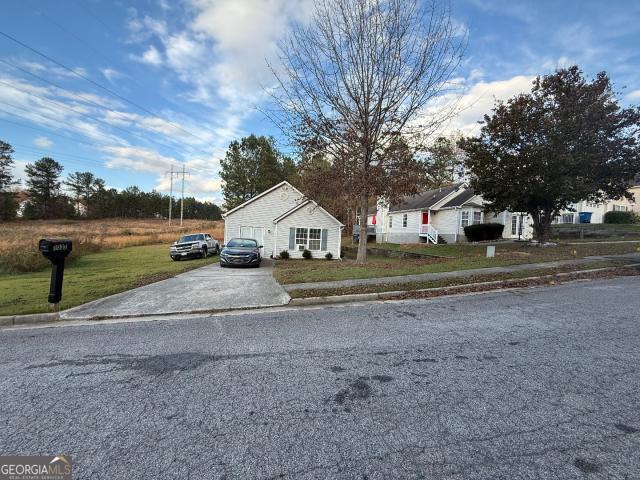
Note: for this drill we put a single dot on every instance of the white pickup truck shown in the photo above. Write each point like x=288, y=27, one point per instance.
x=194, y=245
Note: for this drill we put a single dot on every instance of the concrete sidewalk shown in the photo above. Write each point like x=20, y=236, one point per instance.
x=425, y=277
x=205, y=289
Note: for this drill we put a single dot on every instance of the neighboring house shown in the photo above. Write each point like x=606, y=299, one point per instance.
x=440, y=215
x=282, y=218
x=434, y=216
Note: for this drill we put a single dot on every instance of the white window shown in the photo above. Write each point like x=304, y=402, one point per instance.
x=314, y=239
x=514, y=225
x=390, y=221
x=477, y=218
x=302, y=237
x=308, y=239
x=465, y=219
x=567, y=218
x=619, y=208
x=404, y=220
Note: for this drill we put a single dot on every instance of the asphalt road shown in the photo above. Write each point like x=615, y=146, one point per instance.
x=540, y=383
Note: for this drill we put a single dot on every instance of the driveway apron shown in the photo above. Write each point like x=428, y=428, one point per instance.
x=209, y=288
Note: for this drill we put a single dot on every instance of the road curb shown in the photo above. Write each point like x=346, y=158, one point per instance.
x=363, y=297
x=54, y=317
x=12, y=320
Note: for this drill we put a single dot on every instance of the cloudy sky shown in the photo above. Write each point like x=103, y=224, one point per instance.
x=128, y=89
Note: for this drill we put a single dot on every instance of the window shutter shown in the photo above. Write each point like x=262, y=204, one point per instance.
x=323, y=239
x=292, y=238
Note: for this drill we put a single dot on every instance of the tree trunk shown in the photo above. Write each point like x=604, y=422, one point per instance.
x=541, y=226
x=362, y=243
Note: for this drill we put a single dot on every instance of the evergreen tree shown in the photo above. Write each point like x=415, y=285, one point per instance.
x=251, y=166
x=83, y=188
x=43, y=186
x=7, y=196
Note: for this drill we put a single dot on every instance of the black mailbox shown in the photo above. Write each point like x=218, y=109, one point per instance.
x=56, y=251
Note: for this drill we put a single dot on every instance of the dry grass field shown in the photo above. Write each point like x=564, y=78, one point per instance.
x=19, y=239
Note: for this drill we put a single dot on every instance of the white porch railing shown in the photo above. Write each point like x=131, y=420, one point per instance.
x=431, y=233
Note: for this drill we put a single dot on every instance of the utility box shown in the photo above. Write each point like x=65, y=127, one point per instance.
x=491, y=251
x=56, y=251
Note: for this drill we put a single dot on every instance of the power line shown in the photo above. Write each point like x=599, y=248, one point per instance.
x=100, y=53
x=191, y=149
x=93, y=82
x=49, y=131
x=85, y=115
x=53, y=119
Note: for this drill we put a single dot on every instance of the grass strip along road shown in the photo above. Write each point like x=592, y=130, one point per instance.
x=92, y=276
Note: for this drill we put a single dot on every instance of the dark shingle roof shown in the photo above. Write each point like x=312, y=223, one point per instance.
x=423, y=200
x=460, y=199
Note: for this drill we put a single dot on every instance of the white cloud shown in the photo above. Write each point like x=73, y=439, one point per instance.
x=478, y=100
x=151, y=56
x=42, y=142
x=634, y=95
x=110, y=74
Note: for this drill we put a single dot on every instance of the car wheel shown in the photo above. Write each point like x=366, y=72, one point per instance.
x=217, y=250
x=175, y=259
x=204, y=252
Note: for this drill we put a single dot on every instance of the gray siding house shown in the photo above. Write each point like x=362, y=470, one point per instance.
x=282, y=218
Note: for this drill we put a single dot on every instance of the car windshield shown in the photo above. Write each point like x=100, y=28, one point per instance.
x=242, y=242
x=190, y=238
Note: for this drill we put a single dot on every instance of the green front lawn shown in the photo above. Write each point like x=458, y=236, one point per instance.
x=465, y=257
x=92, y=276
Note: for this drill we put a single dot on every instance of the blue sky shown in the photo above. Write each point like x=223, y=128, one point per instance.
x=170, y=82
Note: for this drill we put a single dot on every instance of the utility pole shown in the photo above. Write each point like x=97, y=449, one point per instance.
x=171, y=174
x=182, y=197
x=170, y=192
x=183, y=173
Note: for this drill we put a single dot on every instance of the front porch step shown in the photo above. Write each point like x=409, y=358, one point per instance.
x=441, y=240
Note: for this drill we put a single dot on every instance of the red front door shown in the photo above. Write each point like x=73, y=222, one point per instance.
x=425, y=218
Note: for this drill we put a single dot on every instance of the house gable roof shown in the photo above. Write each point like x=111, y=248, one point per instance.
x=275, y=187
x=302, y=204
x=423, y=200
x=460, y=199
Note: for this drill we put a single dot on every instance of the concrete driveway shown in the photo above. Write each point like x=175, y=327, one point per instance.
x=205, y=289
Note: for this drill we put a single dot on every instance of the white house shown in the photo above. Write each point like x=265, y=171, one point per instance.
x=440, y=215
x=282, y=218
x=434, y=216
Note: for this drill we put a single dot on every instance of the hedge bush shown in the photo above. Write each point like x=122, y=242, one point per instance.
x=483, y=232
x=284, y=255
x=329, y=256
x=621, y=217
x=306, y=254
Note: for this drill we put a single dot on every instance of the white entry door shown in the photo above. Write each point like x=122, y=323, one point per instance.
x=518, y=224
x=257, y=233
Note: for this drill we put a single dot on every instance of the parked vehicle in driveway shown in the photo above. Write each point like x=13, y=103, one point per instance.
x=241, y=252
x=194, y=245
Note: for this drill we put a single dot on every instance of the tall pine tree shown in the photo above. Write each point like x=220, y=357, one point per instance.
x=43, y=186
x=251, y=166
x=83, y=187
x=7, y=196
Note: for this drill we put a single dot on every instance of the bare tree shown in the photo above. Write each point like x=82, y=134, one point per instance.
x=355, y=83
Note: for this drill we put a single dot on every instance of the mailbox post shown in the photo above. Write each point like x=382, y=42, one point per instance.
x=56, y=251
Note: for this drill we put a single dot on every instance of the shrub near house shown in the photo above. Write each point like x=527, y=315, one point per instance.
x=621, y=217
x=483, y=232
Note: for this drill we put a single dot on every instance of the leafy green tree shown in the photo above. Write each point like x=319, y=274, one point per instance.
x=83, y=188
x=252, y=165
x=568, y=140
x=43, y=186
x=7, y=196
x=444, y=163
